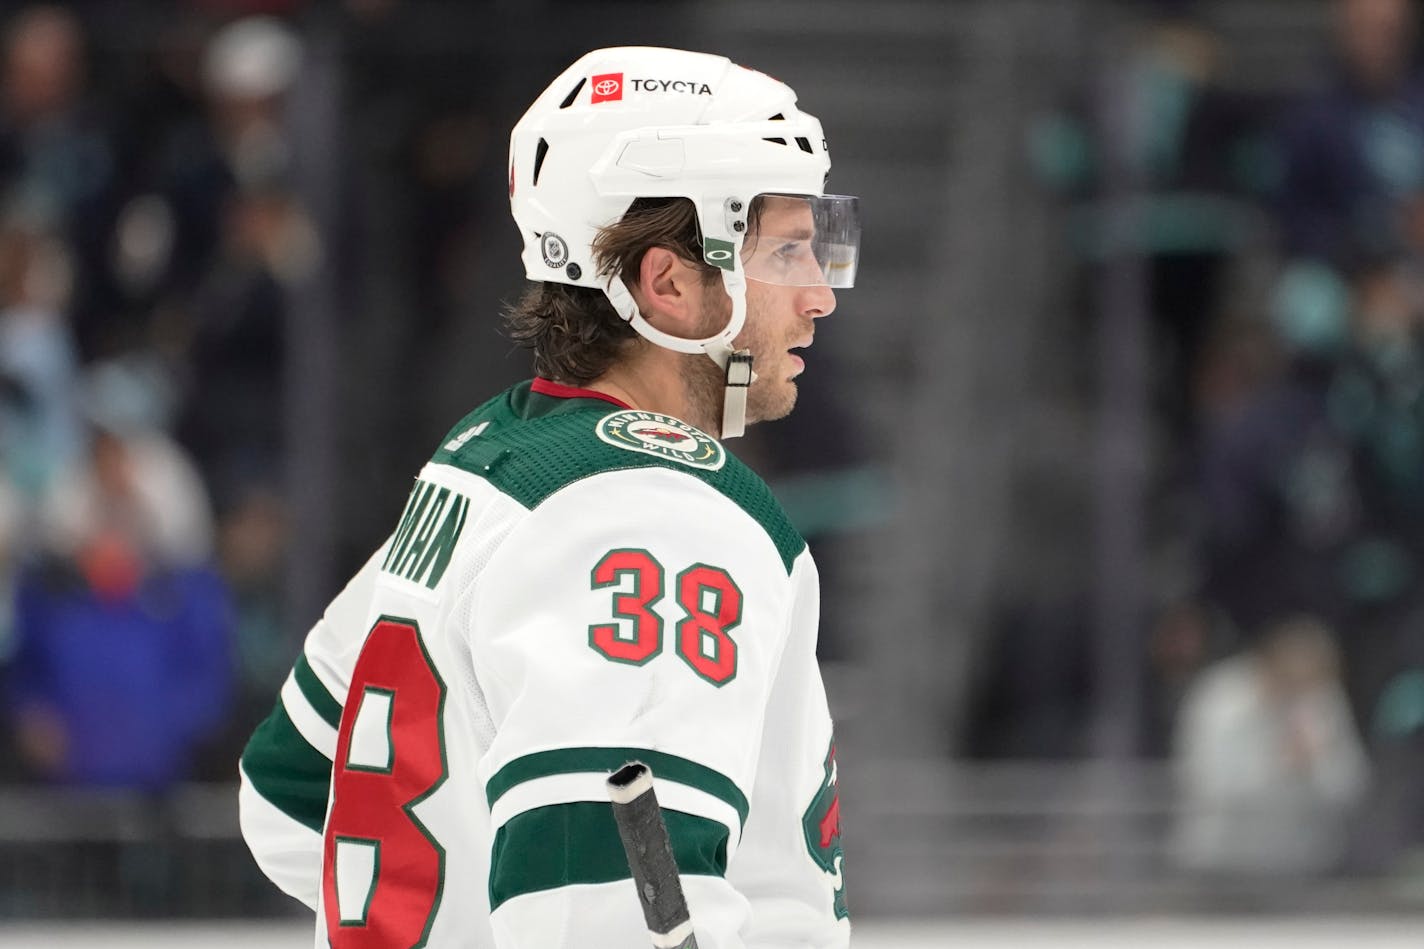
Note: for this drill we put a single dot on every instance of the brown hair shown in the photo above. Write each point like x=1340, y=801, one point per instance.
x=575, y=333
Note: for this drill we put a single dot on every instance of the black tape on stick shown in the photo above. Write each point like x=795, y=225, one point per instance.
x=645, y=841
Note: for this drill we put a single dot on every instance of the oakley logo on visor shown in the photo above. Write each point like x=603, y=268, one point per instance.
x=607, y=87
x=719, y=253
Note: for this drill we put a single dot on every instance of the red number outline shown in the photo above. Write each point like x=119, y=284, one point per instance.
x=393, y=658
x=722, y=668
x=637, y=606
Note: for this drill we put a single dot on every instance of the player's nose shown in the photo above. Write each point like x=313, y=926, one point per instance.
x=817, y=301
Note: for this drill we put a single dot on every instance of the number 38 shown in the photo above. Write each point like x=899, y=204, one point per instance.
x=711, y=604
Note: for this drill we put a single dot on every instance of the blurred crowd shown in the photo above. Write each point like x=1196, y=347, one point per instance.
x=152, y=227
x=144, y=250
x=1281, y=238
x=1305, y=466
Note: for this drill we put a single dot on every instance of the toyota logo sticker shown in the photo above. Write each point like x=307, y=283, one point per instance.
x=607, y=87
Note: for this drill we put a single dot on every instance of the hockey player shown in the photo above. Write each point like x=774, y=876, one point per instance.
x=583, y=574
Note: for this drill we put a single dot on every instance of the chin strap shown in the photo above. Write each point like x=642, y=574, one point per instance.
x=739, y=378
x=735, y=364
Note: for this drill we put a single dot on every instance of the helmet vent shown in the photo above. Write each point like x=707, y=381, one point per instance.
x=805, y=144
x=539, y=154
x=573, y=94
x=778, y=117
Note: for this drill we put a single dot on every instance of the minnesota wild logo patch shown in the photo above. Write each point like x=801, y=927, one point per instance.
x=822, y=823
x=662, y=436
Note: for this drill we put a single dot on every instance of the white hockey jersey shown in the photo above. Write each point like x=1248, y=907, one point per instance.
x=573, y=585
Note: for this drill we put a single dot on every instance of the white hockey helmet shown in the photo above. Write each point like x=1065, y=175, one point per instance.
x=642, y=122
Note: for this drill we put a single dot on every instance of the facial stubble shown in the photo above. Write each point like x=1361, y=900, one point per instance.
x=766, y=400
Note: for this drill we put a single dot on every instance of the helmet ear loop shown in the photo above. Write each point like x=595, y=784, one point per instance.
x=623, y=303
x=736, y=365
x=718, y=346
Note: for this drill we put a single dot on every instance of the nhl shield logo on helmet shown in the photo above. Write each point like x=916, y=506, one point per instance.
x=556, y=252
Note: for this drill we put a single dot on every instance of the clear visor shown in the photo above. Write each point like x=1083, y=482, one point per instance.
x=801, y=241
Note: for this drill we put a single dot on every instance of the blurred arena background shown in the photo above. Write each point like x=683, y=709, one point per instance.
x=1113, y=461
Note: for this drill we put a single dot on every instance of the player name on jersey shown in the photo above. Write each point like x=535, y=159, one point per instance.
x=429, y=529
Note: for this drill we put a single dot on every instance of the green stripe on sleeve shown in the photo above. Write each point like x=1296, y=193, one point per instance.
x=565, y=844
x=607, y=760
x=287, y=771
x=327, y=707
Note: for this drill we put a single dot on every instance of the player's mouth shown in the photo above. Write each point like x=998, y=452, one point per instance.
x=797, y=362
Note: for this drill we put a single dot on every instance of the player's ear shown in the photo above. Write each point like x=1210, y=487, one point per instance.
x=667, y=292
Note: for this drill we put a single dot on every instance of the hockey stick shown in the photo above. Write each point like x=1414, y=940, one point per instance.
x=645, y=841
